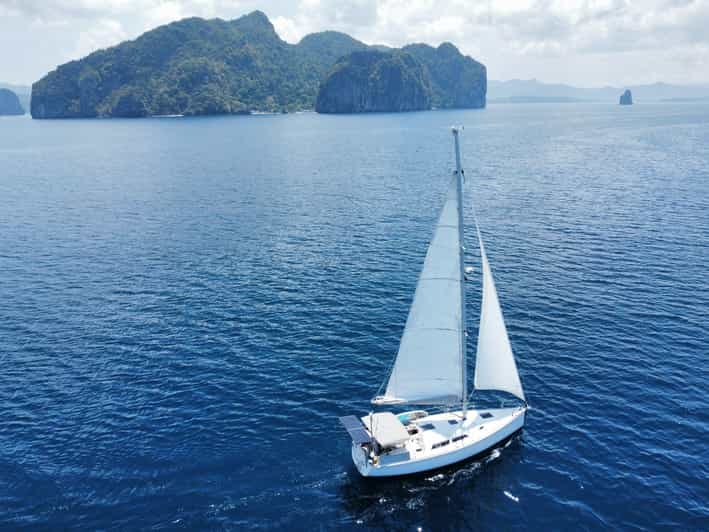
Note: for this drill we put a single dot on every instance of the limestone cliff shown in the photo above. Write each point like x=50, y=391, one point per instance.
x=371, y=81
x=415, y=77
x=457, y=80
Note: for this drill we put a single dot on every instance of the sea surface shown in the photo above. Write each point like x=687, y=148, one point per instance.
x=188, y=304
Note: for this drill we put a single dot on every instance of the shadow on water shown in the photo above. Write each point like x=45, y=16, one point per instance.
x=436, y=498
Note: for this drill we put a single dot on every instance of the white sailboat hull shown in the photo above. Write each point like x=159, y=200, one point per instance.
x=423, y=451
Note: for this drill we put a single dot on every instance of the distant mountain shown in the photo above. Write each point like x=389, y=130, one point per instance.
x=196, y=66
x=517, y=90
x=17, y=89
x=22, y=92
x=9, y=103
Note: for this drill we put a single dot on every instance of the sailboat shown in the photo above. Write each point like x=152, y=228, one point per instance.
x=430, y=366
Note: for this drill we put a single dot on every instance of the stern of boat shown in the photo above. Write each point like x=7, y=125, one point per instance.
x=360, y=459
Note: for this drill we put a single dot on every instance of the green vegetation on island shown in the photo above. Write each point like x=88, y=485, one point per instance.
x=457, y=80
x=416, y=77
x=370, y=81
x=196, y=67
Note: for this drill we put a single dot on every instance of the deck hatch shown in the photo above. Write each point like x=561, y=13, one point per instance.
x=485, y=415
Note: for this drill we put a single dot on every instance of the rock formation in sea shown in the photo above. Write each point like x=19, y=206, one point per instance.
x=414, y=78
x=457, y=80
x=626, y=98
x=196, y=67
x=371, y=81
x=10, y=103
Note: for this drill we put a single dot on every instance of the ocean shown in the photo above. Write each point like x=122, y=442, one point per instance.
x=188, y=304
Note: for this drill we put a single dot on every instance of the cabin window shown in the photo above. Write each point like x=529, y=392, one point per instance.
x=452, y=421
x=440, y=444
x=461, y=437
x=485, y=415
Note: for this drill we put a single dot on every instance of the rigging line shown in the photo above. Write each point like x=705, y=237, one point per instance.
x=477, y=227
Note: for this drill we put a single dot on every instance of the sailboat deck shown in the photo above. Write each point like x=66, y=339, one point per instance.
x=443, y=433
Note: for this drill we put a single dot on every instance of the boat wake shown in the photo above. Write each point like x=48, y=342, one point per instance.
x=371, y=501
x=510, y=496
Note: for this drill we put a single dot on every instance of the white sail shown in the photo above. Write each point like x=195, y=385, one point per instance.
x=495, y=367
x=429, y=365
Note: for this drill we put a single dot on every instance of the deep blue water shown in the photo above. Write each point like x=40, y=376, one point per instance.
x=187, y=306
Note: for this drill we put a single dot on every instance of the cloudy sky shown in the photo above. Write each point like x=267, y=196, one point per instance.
x=581, y=42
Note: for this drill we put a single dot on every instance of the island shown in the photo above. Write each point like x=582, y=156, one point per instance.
x=414, y=78
x=626, y=98
x=457, y=81
x=202, y=67
x=10, y=103
x=371, y=81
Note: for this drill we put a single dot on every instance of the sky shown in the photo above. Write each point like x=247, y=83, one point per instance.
x=586, y=43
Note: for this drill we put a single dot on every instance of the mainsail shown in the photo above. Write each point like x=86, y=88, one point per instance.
x=495, y=367
x=430, y=363
x=430, y=367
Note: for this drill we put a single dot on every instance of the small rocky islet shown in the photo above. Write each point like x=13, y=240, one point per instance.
x=626, y=98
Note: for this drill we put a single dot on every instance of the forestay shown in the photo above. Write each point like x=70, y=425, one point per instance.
x=495, y=367
x=429, y=365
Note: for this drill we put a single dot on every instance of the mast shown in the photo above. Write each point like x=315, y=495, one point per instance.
x=461, y=254
x=429, y=367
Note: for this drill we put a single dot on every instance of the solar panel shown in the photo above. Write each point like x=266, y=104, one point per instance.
x=356, y=430
x=350, y=422
x=360, y=436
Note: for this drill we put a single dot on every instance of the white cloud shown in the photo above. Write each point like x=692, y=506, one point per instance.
x=578, y=41
x=288, y=29
x=100, y=34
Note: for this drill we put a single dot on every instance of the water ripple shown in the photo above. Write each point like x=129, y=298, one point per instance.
x=187, y=306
